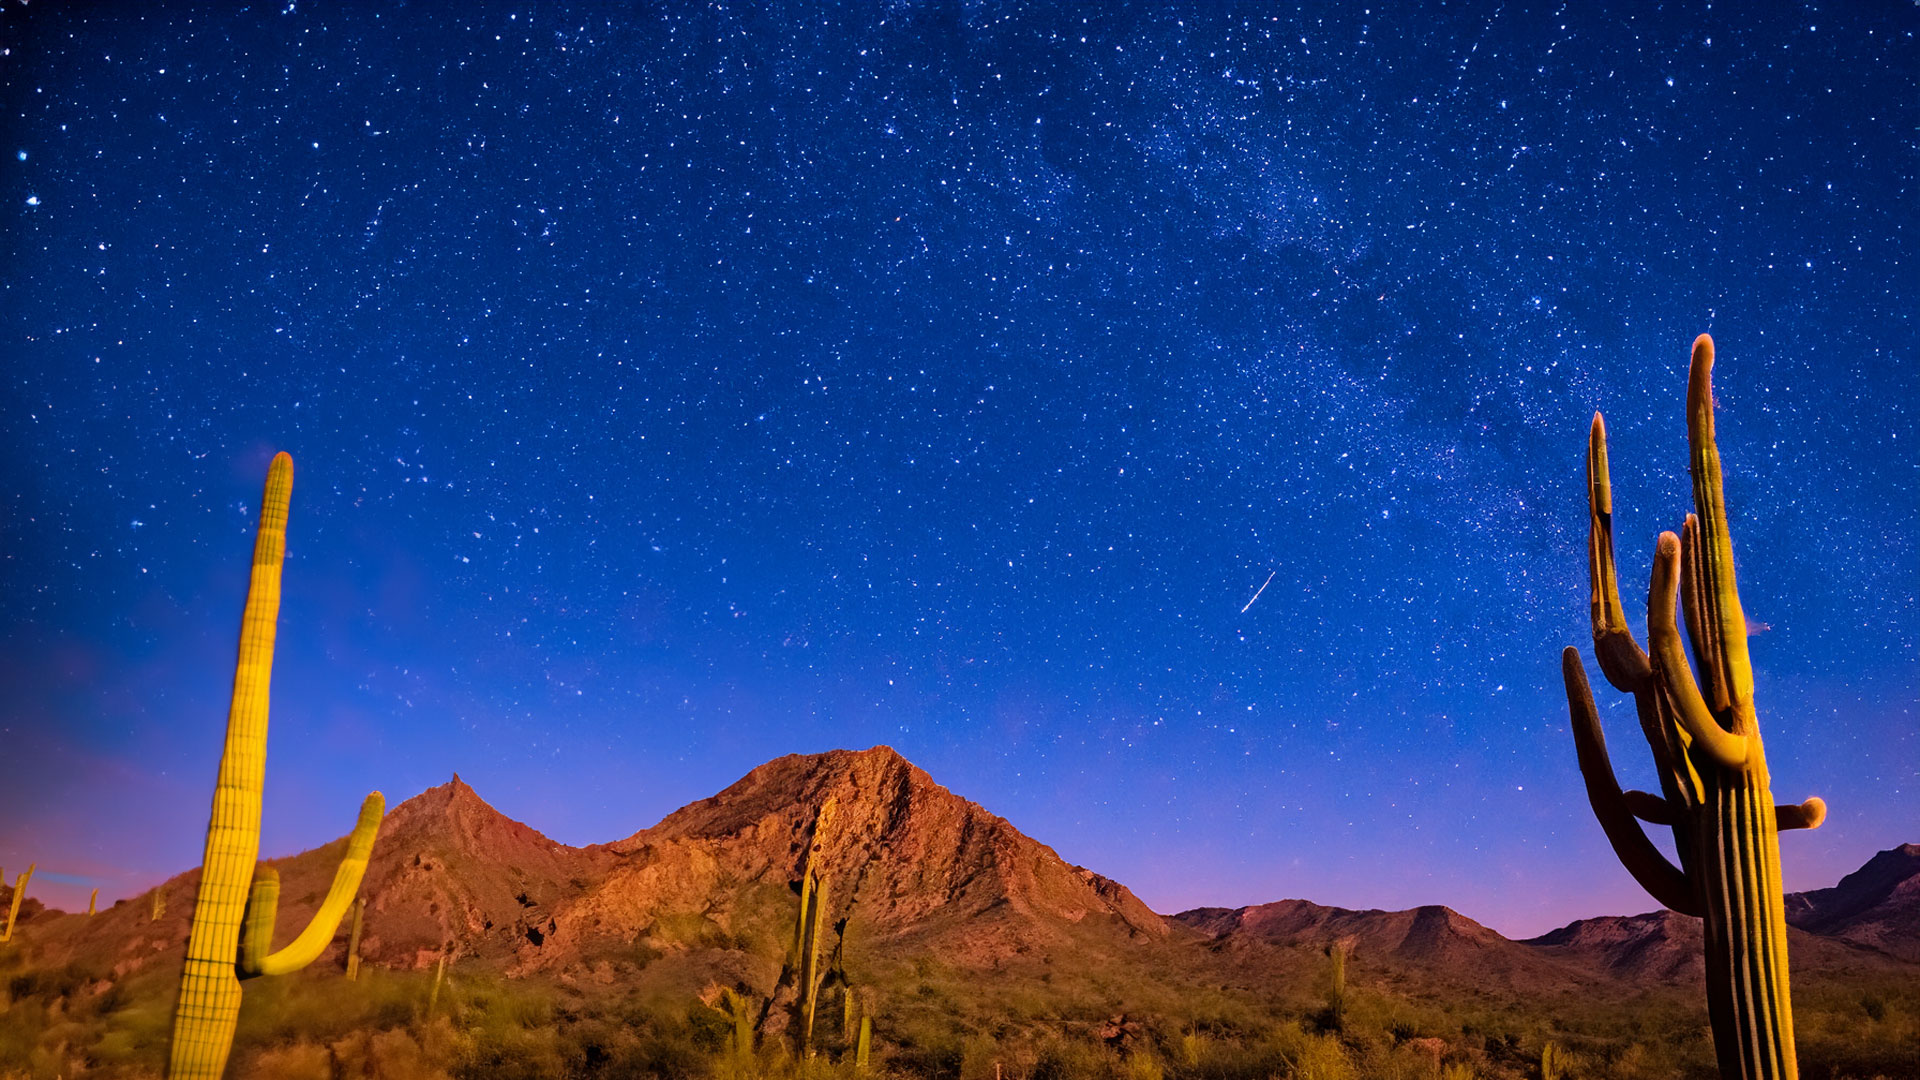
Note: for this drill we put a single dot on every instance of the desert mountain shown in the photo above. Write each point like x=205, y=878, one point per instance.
x=448, y=869
x=925, y=889
x=905, y=862
x=1877, y=905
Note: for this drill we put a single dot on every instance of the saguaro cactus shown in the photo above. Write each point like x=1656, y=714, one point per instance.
x=234, y=892
x=806, y=933
x=1706, y=744
x=19, y=893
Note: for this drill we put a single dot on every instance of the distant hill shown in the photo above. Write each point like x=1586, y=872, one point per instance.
x=1430, y=947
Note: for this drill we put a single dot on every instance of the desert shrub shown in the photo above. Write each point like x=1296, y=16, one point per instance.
x=296, y=1061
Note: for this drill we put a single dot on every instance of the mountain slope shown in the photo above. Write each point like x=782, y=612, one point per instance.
x=904, y=859
x=1877, y=905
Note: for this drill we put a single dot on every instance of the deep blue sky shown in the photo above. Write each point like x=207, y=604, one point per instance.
x=675, y=388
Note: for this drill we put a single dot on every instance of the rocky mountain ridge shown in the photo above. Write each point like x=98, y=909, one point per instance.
x=914, y=873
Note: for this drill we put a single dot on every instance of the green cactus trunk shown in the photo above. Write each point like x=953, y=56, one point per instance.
x=234, y=893
x=1746, y=931
x=802, y=969
x=1337, y=996
x=810, y=964
x=1705, y=739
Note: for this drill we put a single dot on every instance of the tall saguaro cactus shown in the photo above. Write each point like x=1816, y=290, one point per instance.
x=1706, y=745
x=812, y=919
x=234, y=892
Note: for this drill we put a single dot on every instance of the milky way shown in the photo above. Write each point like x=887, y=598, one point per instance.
x=672, y=391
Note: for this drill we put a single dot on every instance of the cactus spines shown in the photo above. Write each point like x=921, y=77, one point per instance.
x=13, y=906
x=1705, y=739
x=353, y=939
x=234, y=893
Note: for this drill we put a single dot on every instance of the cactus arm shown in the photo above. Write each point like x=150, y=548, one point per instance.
x=1655, y=810
x=1807, y=815
x=1695, y=603
x=1725, y=748
x=1649, y=867
x=319, y=933
x=256, y=936
x=1621, y=658
x=1650, y=808
x=1732, y=682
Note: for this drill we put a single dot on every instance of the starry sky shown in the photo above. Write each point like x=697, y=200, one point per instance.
x=1163, y=425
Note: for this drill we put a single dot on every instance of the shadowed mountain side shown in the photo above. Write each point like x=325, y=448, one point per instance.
x=903, y=859
x=1877, y=905
x=1665, y=947
x=1424, y=948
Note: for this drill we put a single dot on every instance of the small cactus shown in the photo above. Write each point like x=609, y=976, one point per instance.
x=92, y=900
x=1337, y=994
x=1705, y=738
x=19, y=894
x=863, y=1050
x=739, y=1014
x=1549, y=1061
x=156, y=905
x=439, y=976
x=235, y=905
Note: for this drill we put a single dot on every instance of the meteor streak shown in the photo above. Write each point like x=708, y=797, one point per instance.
x=1261, y=589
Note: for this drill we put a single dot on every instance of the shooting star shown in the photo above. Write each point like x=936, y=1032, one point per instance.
x=1258, y=591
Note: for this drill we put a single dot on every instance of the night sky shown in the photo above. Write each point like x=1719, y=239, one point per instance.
x=671, y=388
